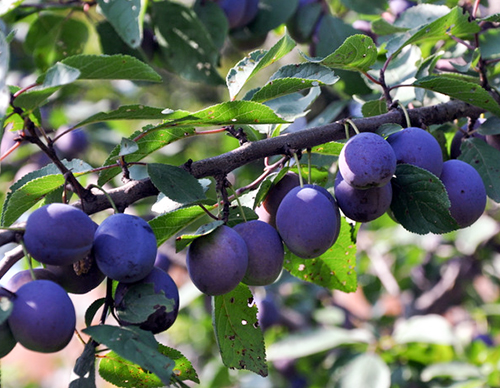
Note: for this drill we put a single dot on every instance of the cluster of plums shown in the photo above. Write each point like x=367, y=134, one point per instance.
x=77, y=255
x=368, y=162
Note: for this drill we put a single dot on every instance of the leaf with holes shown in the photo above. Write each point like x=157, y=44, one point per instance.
x=420, y=202
x=335, y=269
x=240, y=339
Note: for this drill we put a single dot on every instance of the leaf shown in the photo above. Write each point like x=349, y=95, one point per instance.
x=33, y=187
x=429, y=329
x=254, y=62
x=140, y=301
x=127, y=147
x=362, y=6
x=6, y=306
x=136, y=345
x=468, y=92
x=176, y=183
x=125, y=112
x=357, y=53
x=455, y=370
x=186, y=46
x=383, y=27
x=455, y=23
x=168, y=224
x=293, y=105
x=112, y=67
x=183, y=241
x=331, y=148
x=335, y=269
x=86, y=361
x=126, y=18
x=240, y=339
x=92, y=310
x=374, y=108
x=4, y=68
x=123, y=373
x=293, y=78
x=215, y=21
x=420, y=202
x=366, y=370
x=147, y=144
x=486, y=160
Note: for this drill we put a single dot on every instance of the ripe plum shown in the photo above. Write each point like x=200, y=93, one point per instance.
x=78, y=278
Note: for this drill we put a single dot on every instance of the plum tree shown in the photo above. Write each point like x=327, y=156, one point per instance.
x=217, y=262
x=265, y=252
x=22, y=277
x=362, y=205
x=78, y=278
x=7, y=340
x=418, y=147
x=269, y=206
x=307, y=222
x=466, y=191
x=160, y=320
x=367, y=160
x=59, y=234
x=43, y=317
x=125, y=247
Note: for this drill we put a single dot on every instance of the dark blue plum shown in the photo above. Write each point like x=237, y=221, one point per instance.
x=25, y=276
x=217, y=262
x=234, y=10
x=59, y=234
x=457, y=140
x=71, y=144
x=43, y=316
x=160, y=320
x=307, y=221
x=265, y=252
x=251, y=10
x=466, y=191
x=366, y=161
x=362, y=205
x=417, y=147
x=125, y=248
x=162, y=261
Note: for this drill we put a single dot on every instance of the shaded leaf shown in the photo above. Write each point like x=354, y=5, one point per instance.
x=335, y=269
x=240, y=339
x=4, y=67
x=125, y=17
x=366, y=370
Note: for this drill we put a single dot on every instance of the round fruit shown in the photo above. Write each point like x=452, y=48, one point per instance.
x=160, y=320
x=493, y=140
x=217, y=262
x=366, y=161
x=43, y=317
x=72, y=143
x=59, y=234
x=456, y=142
x=251, y=10
x=418, y=147
x=265, y=252
x=307, y=222
x=25, y=276
x=362, y=205
x=234, y=10
x=267, y=210
x=125, y=248
x=466, y=191
x=162, y=261
x=78, y=278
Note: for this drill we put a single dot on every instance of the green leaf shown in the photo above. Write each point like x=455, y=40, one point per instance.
x=4, y=68
x=86, y=361
x=140, y=301
x=374, y=108
x=191, y=53
x=92, y=310
x=183, y=241
x=383, y=27
x=455, y=370
x=335, y=269
x=149, y=142
x=373, y=7
x=293, y=78
x=213, y=18
x=127, y=147
x=254, y=62
x=112, y=67
x=176, y=183
x=366, y=370
x=33, y=187
x=420, y=202
x=125, y=112
x=468, y=92
x=332, y=148
x=240, y=339
x=272, y=14
x=52, y=37
x=293, y=105
x=357, y=53
x=486, y=160
x=136, y=345
x=455, y=23
x=168, y=224
x=429, y=329
x=126, y=18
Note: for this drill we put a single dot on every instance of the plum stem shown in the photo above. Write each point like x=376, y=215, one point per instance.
x=107, y=196
x=309, y=166
x=405, y=112
x=349, y=121
x=297, y=162
x=239, y=203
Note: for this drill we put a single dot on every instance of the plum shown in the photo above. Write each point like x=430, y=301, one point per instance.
x=366, y=161
x=162, y=261
x=456, y=142
x=43, y=316
x=250, y=12
x=417, y=147
x=265, y=252
x=125, y=248
x=268, y=208
x=72, y=143
x=493, y=140
x=78, y=278
x=466, y=191
x=59, y=234
x=397, y=7
x=25, y=276
x=7, y=340
x=160, y=320
x=217, y=262
x=234, y=11
x=307, y=222
x=362, y=205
